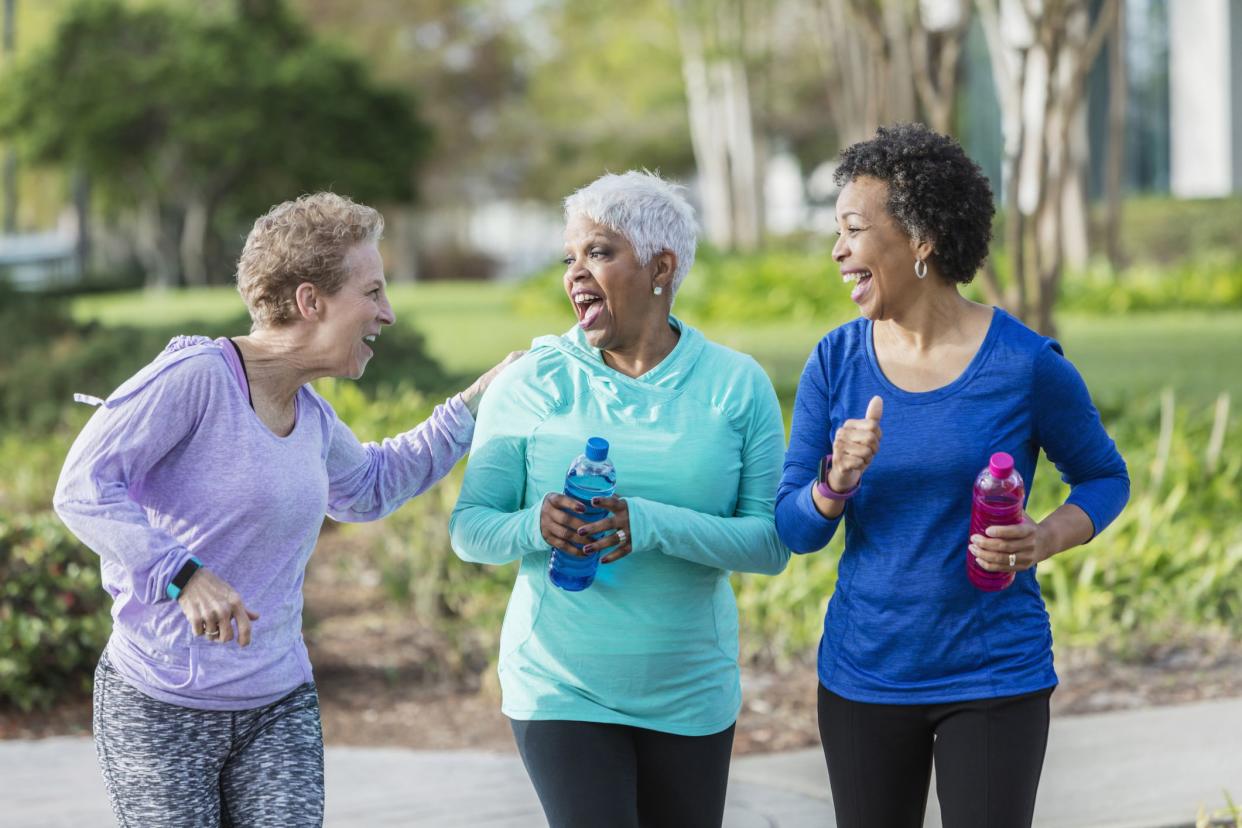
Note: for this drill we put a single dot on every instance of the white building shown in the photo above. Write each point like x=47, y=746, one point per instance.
x=1205, y=97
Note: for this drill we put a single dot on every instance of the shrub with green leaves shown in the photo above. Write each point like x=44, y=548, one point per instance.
x=54, y=617
x=1204, y=282
x=797, y=285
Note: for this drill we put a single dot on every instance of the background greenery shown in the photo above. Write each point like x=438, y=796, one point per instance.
x=1166, y=382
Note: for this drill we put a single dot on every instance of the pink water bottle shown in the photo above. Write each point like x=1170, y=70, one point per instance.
x=997, y=502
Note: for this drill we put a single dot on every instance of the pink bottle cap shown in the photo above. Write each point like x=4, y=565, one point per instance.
x=1001, y=465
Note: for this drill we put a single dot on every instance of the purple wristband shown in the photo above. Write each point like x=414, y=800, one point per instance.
x=828, y=492
x=821, y=484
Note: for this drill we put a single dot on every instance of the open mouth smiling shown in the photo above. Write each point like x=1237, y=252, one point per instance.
x=862, y=282
x=588, y=306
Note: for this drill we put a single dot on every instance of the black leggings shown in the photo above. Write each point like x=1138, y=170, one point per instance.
x=606, y=775
x=988, y=755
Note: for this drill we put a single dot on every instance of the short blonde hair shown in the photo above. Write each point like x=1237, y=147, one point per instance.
x=304, y=240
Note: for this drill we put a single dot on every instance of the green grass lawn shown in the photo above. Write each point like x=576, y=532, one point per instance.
x=469, y=326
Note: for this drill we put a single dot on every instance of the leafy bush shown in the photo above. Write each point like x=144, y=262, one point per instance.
x=1163, y=230
x=1172, y=562
x=799, y=285
x=1206, y=282
x=31, y=464
x=53, y=613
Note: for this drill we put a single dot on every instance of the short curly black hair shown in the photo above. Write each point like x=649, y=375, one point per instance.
x=935, y=192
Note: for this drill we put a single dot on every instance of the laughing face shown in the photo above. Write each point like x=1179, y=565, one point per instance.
x=355, y=314
x=875, y=253
x=610, y=292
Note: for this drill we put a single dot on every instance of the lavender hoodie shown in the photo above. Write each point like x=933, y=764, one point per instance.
x=176, y=463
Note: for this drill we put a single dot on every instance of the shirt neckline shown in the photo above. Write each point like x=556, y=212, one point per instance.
x=661, y=376
x=950, y=388
x=241, y=383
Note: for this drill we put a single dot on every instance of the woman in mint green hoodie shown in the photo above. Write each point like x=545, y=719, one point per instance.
x=623, y=697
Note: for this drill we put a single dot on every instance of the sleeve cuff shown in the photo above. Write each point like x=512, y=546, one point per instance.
x=533, y=537
x=643, y=537
x=812, y=514
x=1092, y=515
x=168, y=569
x=457, y=417
x=815, y=520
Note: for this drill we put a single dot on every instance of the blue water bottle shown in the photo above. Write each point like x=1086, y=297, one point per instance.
x=591, y=475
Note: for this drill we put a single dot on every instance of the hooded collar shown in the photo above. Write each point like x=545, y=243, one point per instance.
x=671, y=372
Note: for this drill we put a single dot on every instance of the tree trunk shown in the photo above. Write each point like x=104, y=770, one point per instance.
x=935, y=58
x=1075, y=242
x=151, y=245
x=743, y=160
x=82, y=211
x=1044, y=190
x=1015, y=221
x=722, y=130
x=193, y=247
x=1117, y=90
x=705, y=138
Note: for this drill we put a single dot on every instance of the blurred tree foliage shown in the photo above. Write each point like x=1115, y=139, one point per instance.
x=608, y=95
x=467, y=61
x=526, y=99
x=191, y=119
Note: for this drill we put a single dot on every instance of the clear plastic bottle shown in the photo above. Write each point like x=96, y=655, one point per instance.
x=998, y=497
x=591, y=475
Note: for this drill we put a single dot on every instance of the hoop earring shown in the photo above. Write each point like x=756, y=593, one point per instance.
x=657, y=290
x=920, y=268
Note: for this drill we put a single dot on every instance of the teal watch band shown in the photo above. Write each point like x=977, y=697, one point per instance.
x=182, y=577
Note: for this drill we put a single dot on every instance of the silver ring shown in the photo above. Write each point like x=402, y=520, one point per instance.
x=212, y=633
x=1013, y=560
x=622, y=537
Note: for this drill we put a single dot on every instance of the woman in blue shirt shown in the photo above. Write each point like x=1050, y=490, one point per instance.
x=623, y=696
x=896, y=413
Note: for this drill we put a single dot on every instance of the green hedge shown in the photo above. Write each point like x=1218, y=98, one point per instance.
x=1162, y=230
x=805, y=284
x=54, y=617
x=1205, y=282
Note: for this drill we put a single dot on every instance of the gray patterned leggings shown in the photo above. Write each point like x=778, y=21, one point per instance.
x=165, y=765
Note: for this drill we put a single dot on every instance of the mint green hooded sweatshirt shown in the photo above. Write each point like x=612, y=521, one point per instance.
x=698, y=443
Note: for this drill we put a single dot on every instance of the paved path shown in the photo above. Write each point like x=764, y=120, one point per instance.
x=1141, y=769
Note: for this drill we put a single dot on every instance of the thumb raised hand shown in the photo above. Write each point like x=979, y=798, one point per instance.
x=875, y=408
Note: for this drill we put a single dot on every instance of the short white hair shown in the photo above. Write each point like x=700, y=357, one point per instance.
x=651, y=213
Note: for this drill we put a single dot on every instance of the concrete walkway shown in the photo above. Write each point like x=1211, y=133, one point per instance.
x=1140, y=769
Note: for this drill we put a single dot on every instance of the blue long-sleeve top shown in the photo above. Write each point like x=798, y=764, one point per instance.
x=905, y=625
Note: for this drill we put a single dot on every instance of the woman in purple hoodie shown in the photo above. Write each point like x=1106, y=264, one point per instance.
x=202, y=483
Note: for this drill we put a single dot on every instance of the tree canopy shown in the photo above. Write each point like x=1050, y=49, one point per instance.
x=204, y=117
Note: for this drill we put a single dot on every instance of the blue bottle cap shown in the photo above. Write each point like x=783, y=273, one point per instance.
x=597, y=449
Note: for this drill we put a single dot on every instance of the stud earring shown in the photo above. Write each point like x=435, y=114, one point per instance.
x=920, y=268
x=657, y=290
